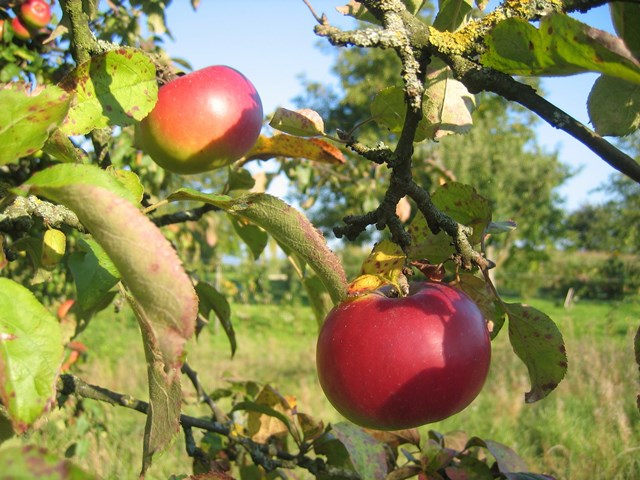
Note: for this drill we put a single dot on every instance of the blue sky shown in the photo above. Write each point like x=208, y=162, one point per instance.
x=273, y=44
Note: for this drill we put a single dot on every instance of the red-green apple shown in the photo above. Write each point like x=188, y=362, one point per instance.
x=35, y=13
x=394, y=363
x=19, y=29
x=202, y=121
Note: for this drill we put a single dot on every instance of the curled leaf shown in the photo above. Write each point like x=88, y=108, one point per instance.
x=314, y=149
x=302, y=123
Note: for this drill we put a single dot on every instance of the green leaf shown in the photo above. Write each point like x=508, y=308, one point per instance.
x=367, y=455
x=446, y=108
x=30, y=461
x=561, y=46
x=161, y=293
x=60, y=177
x=93, y=272
x=213, y=301
x=464, y=205
x=60, y=147
x=30, y=355
x=114, y=88
x=240, y=179
x=452, y=14
x=130, y=181
x=625, y=17
x=255, y=238
x=357, y=10
x=483, y=296
x=288, y=226
x=447, y=104
x=26, y=121
x=614, y=106
x=539, y=344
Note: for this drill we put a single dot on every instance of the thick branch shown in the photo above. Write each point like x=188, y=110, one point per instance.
x=477, y=79
x=18, y=215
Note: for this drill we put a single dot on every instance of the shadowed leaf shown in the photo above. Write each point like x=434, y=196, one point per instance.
x=539, y=344
x=31, y=461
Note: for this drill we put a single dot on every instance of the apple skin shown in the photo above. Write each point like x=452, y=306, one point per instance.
x=19, y=29
x=35, y=13
x=395, y=363
x=202, y=121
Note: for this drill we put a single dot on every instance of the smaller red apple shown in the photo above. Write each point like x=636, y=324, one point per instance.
x=1, y=29
x=19, y=29
x=35, y=13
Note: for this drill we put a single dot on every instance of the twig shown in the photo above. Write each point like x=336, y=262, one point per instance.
x=203, y=396
x=184, y=215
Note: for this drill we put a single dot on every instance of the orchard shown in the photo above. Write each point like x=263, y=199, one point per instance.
x=135, y=202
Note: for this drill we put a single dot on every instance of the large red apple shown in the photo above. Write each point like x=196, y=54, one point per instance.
x=35, y=13
x=394, y=363
x=203, y=120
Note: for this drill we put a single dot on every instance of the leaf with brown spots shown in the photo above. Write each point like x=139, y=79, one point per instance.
x=161, y=292
x=282, y=145
x=302, y=123
x=114, y=88
x=26, y=121
x=539, y=344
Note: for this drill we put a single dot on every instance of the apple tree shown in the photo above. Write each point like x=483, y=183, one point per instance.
x=88, y=215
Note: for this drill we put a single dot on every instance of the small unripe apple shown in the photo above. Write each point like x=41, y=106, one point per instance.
x=19, y=29
x=35, y=13
x=395, y=363
x=202, y=121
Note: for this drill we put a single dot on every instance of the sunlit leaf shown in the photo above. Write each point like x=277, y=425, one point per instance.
x=452, y=14
x=31, y=352
x=614, y=106
x=26, y=120
x=93, y=272
x=357, y=10
x=560, y=46
x=539, y=344
x=114, y=88
x=302, y=123
x=282, y=145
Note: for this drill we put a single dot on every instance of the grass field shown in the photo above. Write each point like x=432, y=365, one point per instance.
x=589, y=428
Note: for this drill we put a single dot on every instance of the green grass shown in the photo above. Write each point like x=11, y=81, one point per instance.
x=587, y=428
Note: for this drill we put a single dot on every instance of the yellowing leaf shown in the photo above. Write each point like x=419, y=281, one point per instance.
x=283, y=145
x=302, y=123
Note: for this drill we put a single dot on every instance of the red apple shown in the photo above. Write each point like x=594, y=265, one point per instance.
x=35, y=13
x=19, y=29
x=395, y=363
x=203, y=120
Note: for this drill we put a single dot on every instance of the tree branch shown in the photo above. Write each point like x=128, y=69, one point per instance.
x=192, y=215
x=262, y=454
